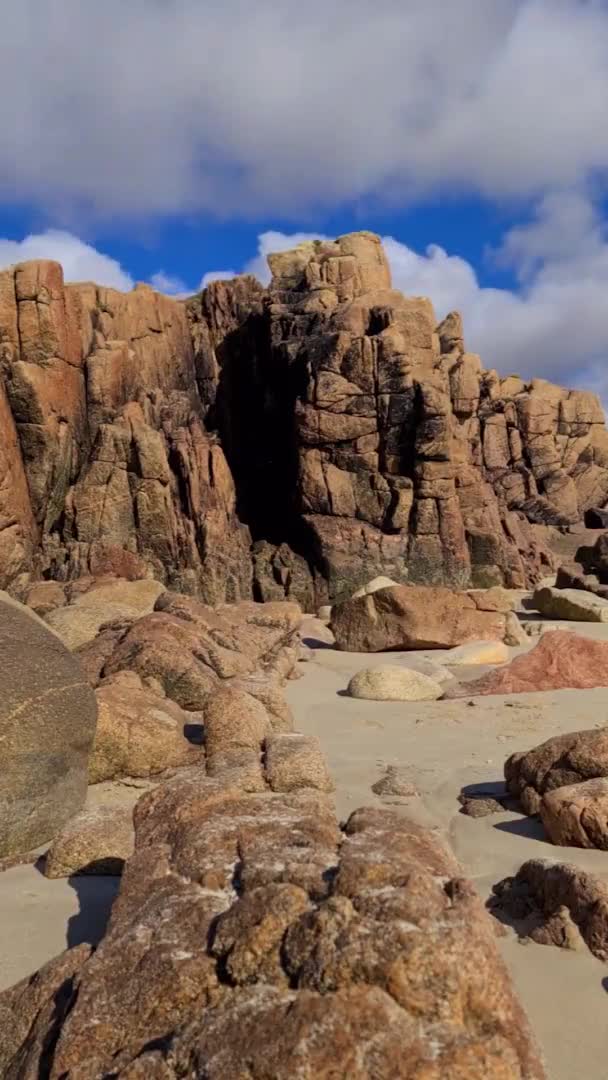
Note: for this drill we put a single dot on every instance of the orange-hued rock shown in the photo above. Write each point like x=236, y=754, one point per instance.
x=560, y=661
x=357, y=952
x=294, y=441
x=414, y=617
x=577, y=815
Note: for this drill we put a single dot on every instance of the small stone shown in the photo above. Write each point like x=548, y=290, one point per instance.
x=395, y=782
x=480, y=807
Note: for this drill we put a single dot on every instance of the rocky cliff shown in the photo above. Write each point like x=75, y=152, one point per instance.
x=289, y=441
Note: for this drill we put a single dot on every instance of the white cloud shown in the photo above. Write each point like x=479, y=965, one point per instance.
x=553, y=325
x=216, y=275
x=168, y=284
x=80, y=261
x=164, y=106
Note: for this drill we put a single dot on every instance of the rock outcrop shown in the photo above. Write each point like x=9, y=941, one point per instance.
x=252, y=936
x=47, y=724
x=295, y=441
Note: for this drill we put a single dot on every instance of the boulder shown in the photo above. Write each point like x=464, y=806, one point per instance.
x=47, y=725
x=413, y=617
x=294, y=761
x=140, y=733
x=577, y=815
x=561, y=660
x=571, y=604
x=560, y=762
x=95, y=841
x=477, y=652
x=319, y=959
x=392, y=683
x=556, y=904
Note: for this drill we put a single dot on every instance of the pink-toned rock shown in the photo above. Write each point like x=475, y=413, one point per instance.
x=560, y=661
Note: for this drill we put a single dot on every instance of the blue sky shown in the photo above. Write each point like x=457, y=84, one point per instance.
x=167, y=139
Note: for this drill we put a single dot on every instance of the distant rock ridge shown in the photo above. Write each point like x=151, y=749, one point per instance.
x=290, y=441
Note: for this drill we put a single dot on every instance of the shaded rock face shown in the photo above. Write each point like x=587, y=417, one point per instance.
x=295, y=441
x=47, y=724
x=248, y=921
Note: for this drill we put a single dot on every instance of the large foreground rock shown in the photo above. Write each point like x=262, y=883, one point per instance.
x=556, y=904
x=47, y=725
x=560, y=661
x=414, y=617
x=557, y=763
x=350, y=954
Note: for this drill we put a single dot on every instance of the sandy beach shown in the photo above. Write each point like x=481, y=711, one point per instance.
x=443, y=746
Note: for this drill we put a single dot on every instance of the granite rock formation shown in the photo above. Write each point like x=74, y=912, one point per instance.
x=252, y=937
x=294, y=441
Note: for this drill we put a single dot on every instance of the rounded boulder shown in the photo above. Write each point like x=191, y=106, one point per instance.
x=392, y=683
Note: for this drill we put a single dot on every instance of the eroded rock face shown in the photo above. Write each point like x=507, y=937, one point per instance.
x=559, y=762
x=296, y=441
x=561, y=660
x=248, y=920
x=47, y=724
x=577, y=815
x=556, y=904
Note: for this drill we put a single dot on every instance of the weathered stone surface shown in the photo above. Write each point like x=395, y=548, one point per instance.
x=572, y=604
x=413, y=617
x=477, y=652
x=140, y=733
x=556, y=904
x=559, y=762
x=47, y=724
x=294, y=761
x=393, y=683
x=290, y=442
x=96, y=841
x=577, y=815
x=88, y=608
x=479, y=807
x=191, y=648
x=395, y=782
x=561, y=660
x=353, y=954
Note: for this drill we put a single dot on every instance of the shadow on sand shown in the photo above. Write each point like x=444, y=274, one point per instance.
x=96, y=894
